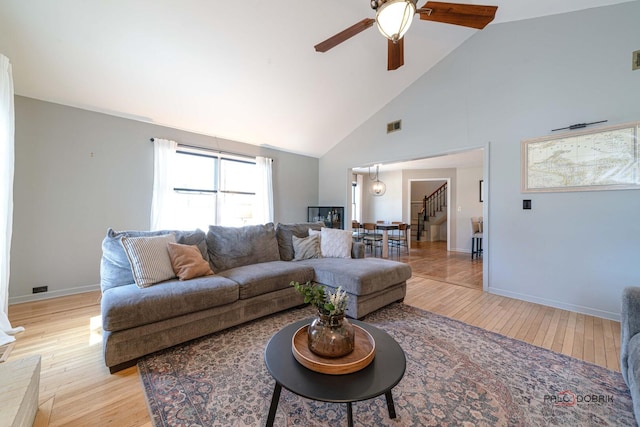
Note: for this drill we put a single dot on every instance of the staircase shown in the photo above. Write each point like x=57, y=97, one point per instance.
x=430, y=216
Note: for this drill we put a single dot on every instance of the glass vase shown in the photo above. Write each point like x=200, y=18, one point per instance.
x=331, y=336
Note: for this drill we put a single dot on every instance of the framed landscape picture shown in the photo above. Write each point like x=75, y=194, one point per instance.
x=600, y=159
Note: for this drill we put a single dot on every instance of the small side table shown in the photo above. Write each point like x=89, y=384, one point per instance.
x=385, y=372
x=19, y=391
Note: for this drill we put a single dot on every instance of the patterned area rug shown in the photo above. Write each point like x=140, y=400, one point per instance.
x=456, y=375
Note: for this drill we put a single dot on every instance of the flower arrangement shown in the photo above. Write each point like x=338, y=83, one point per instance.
x=332, y=304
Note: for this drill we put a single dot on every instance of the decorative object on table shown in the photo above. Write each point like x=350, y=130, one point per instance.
x=330, y=334
x=484, y=378
x=362, y=355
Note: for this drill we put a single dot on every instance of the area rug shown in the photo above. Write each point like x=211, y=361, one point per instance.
x=457, y=375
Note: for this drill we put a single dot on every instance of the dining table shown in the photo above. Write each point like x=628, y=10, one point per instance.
x=385, y=237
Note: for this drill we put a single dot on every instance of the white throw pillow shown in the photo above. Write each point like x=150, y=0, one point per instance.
x=335, y=243
x=149, y=258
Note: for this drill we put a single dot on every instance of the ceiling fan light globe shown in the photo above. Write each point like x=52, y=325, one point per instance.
x=394, y=18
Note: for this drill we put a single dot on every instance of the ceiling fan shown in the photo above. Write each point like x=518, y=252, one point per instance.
x=394, y=19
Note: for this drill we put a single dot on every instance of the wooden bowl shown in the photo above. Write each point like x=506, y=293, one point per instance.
x=359, y=358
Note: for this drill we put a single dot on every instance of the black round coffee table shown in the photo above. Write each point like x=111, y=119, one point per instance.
x=385, y=371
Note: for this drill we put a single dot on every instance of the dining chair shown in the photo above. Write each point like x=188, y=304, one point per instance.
x=399, y=240
x=371, y=237
x=357, y=231
x=476, y=236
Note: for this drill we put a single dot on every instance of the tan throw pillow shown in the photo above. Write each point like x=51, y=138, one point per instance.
x=306, y=247
x=150, y=263
x=187, y=261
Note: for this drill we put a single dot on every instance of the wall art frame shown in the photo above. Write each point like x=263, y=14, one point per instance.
x=603, y=158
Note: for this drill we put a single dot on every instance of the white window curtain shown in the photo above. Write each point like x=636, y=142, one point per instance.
x=263, y=212
x=7, y=133
x=162, y=203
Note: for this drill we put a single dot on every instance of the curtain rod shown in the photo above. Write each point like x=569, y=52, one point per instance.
x=214, y=150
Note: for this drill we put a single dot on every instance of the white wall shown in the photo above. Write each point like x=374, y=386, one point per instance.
x=507, y=83
x=387, y=207
x=78, y=172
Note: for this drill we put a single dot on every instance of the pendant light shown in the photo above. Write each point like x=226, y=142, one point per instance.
x=377, y=187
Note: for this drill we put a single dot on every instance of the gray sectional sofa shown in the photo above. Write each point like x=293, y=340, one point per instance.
x=630, y=344
x=253, y=268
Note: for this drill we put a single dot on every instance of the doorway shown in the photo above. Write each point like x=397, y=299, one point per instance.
x=463, y=172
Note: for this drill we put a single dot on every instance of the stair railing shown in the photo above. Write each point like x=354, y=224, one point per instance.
x=431, y=205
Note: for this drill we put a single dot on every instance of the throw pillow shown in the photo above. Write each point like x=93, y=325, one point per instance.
x=231, y=247
x=284, y=232
x=149, y=258
x=306, y=247
x=115, y=268
x=335, y=243
x=197, y=238
x=187, y=261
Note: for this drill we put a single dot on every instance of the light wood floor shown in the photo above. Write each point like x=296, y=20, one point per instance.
x=76, y=388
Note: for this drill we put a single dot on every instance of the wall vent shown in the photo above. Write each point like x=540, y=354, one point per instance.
x=394, y=126
x=636, y=60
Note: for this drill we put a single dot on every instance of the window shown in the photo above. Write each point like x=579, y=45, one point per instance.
x=213, y=189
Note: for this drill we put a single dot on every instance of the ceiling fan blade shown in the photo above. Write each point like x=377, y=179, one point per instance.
x=466, y=15
x=395, y=54
x=344, y=35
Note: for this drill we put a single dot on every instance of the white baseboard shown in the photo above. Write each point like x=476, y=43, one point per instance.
x=53, y=294
x=556, y=304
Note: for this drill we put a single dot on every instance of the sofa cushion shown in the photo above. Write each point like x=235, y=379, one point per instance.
x=231, y=247
x=115, y=269
x=258, y=279
x=149, y=258
x=358, y=276
x=306, y=247
x=187, y=262
x=285, y=232
x=633, y=372
x=128, y=306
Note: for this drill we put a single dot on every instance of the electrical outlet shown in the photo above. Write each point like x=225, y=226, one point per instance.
x=40, y=289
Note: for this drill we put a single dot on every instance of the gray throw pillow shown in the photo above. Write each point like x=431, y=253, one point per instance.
x=231, y=247
x=306, y=247
x=285, y=232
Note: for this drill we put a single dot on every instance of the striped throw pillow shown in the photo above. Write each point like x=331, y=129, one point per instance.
x=306, y=247
x=149, y=258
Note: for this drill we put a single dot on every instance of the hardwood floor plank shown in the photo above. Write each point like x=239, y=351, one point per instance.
x=578, y=337
x=561, y=331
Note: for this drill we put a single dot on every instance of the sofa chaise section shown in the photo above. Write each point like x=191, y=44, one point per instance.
x=371, y=283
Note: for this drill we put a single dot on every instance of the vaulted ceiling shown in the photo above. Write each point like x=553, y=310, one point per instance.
x=239, y=70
